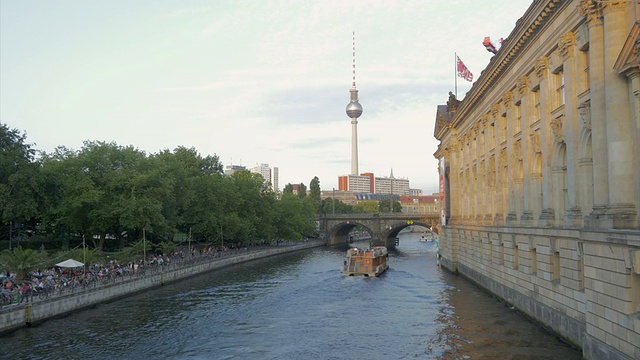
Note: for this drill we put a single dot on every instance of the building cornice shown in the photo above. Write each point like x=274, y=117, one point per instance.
x=539, y=14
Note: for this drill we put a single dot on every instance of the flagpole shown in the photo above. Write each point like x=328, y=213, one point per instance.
x=455, y=73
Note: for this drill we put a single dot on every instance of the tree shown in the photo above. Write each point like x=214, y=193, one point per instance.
x=315, y=193
x=250, y=216
x=384, y=206
x=20, y=261
x=111, y=194
x=367, y=207
x=20, y=179
x=331, y=206
x=166, y=247
x=302, y=190
x=294, y=219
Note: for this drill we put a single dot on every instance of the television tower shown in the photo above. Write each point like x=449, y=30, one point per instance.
x=354, y=110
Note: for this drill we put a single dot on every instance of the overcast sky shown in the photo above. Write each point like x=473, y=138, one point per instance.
x=263, y=81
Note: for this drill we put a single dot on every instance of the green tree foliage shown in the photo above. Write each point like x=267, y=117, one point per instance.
x=166, y=247
x=384, y=206
x=330, y=206
x=111, y=194
x=20, y=261
x=315, y=194
x=367, y=207
x=20, y=179
x=294, y=218
x=302, y=191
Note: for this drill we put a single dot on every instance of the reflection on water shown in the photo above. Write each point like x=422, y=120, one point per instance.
x=299, y=306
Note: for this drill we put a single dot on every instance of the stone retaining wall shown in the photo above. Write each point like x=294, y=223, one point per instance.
x=17, y=316
x=583, y=285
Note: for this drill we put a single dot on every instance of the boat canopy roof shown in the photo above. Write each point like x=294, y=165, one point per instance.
x=369, y=252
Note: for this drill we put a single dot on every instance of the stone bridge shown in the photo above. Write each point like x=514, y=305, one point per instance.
x=384, y=227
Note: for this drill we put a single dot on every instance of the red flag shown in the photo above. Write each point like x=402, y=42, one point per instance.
x=463, y=72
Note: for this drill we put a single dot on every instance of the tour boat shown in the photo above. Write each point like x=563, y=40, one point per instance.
x=427, y=237
x=365, y=262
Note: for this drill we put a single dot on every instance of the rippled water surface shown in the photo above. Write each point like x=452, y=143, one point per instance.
x=299, y=306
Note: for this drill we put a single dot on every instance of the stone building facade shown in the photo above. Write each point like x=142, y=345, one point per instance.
x=542, y=173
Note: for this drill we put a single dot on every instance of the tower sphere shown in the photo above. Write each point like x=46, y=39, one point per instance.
x=354, y=109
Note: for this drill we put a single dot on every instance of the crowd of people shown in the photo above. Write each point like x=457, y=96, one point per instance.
x=56, y=280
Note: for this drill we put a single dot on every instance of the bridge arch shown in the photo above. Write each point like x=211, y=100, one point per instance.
x=392, y=230
x=339, y=233
x=334, y=229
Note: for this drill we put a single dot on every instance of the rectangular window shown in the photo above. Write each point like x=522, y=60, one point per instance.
x=584, y=77
x=517, y=128
x=555, y=266
x=490, y=249
x=534, y=261
x=535, y=114
x=559, y=86
x=635, y=292
x=580, y=250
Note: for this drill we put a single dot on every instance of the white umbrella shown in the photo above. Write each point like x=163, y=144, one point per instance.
x=70, y=264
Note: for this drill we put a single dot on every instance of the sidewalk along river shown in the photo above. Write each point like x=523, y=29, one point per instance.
x=299, y=306
x=27, y=313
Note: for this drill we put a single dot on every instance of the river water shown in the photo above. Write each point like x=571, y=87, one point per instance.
x=299, y=306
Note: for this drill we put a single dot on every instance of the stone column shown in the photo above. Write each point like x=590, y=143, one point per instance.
x=621, y=211
x=591, y=9
x=491, y=189
x=510, y=210
x=570, y=128
x=466, y=184
x=635, y=88
x=498, y=179
x=486, y=197
x=585, y=163
x=477, y=203
x=503, y=167
x=526, y=218
x=454, y=180
x=482, y=192
x=547, y=216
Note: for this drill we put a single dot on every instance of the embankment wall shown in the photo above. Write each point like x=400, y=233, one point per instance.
x=582, y=285
x=17, y=316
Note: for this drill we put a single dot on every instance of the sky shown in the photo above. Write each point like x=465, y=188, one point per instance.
x=255, y=81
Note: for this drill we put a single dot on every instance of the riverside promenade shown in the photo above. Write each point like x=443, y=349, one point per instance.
x=15, y=316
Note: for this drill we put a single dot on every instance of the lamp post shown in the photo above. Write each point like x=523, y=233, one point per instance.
x=144, y=248
x=391, y=196
x=84, y=255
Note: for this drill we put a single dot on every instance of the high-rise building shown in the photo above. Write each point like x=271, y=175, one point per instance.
x=275, y=180
x=367, y=183
x=269, y=174
x=391, y=185
x=355, y=183
x=230, y=169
